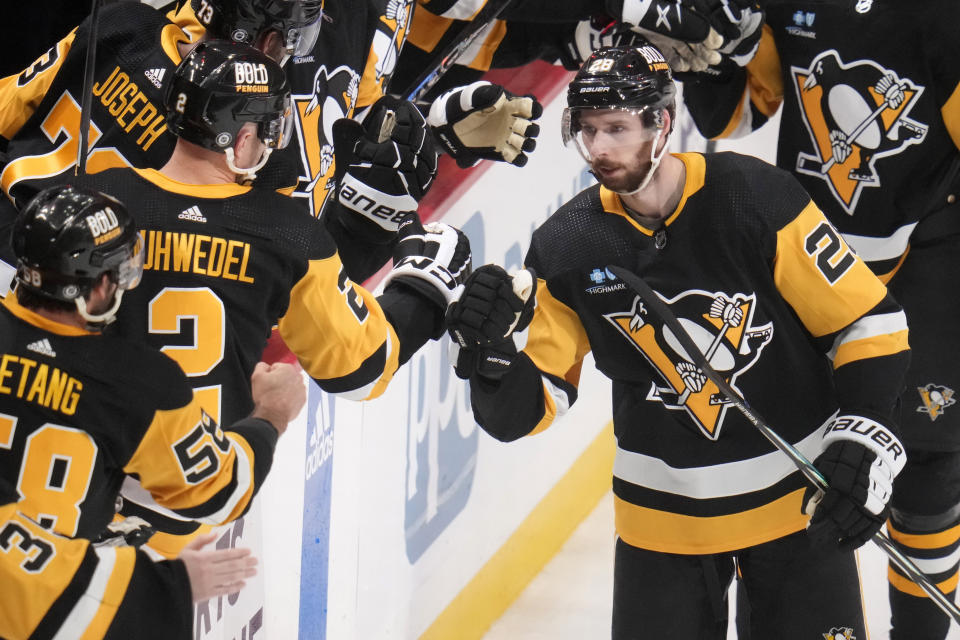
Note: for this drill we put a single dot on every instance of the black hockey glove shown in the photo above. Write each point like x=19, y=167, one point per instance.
x=434, y=259
x=482, y=322
x=384, y=167
x=589, y=35
x=860, y=461
x=483, y=121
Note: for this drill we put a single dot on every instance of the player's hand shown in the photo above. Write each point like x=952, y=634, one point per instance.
x=278, y=393
x=217, y=572
x=493, y=306
x=434, y=259
x=483, y=121
x=590, y=35
x=861, y=459
x=384, y=167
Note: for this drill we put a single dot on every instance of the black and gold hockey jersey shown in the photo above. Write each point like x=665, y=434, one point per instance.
x=871, y=120
x=224, y=264
x=691, y=474
x=40, y=107
x=81, y=411
x=56, y=587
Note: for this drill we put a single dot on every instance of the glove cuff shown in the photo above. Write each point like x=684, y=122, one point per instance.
x=868, y=433
x=418, y=271
x=384, y=209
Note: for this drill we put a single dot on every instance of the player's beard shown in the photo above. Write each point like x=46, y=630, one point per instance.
x=629, y=177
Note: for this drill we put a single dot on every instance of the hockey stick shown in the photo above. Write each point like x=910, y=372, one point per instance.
x=454, y=49
x=660, y=309
x=810, y=164
x=86, y=101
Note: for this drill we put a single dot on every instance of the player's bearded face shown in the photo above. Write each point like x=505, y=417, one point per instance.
x=617, y=146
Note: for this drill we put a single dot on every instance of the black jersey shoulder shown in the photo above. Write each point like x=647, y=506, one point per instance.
x=579, y=234
x=268, y=217
x=128, y=29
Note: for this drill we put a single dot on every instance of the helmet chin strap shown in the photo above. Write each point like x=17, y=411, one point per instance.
x=246, y=176
x=103, y=319
x=654, y=163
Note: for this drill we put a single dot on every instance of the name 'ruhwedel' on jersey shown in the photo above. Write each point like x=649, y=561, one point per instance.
x=691, y=474
x=223, y=265
x=136, y=51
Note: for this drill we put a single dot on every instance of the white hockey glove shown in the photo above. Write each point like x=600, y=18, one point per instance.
x=483, y=121
x=434, y=259
x=861, y=458
x=384, y=167
x=482, y=322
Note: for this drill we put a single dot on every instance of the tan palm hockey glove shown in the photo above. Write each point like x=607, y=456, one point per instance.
x=483, y=121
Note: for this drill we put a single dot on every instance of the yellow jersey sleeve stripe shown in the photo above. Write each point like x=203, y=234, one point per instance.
x=951, y=116
x=824, y=307
x=242, y=492
x=871, y=348
x=21, y=93
x=334, y=329
x=557, y=341
x=29, y=595
x=115, y=589
x=206, y=468
x=764, y=79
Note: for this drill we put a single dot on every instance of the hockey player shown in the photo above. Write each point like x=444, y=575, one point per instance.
x=54, y=585
x=137, y=49
x=81, y=411
x=874, y=136
x=784, y=309
x=224, y=263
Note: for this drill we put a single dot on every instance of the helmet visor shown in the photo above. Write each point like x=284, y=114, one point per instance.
x=276, y=133
x=300, y=40
x=596, y=131
x=130, y=270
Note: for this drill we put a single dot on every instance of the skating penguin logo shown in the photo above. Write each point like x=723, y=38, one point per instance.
x=839, y=633
x=855, y=113
x=723, y=329
x=334, y=96
x=936, y=398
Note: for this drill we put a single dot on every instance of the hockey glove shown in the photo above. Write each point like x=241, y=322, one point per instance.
x=482, y=322
x=860, y=461
x=483, y=121
x=434, y=259
x=590, y=35
x=384, y=167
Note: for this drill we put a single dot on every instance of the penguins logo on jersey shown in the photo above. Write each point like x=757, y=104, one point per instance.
x=334, y=96
x=839, y=633
x=855, y=113
x=722, y=326
x=389, y=38
x=935, y=398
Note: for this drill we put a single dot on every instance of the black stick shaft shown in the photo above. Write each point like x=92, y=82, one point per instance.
x=661, y=310
x=86, y=101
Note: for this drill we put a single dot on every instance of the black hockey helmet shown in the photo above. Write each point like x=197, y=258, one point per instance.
x=67, y=237
x=634, y=80
x=297, y=22
x=219, y=87
x=631, y=77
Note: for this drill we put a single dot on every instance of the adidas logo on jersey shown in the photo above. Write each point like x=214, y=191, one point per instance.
x=42, y=347
x=193, y=214
x=155, y=76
